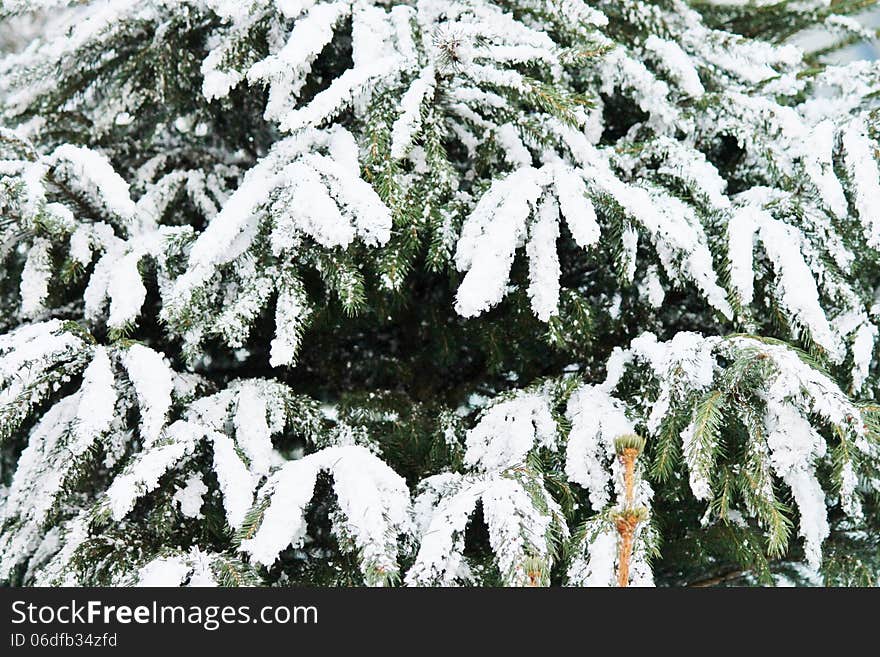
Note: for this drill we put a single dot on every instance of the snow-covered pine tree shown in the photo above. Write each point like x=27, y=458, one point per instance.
x=438, y=292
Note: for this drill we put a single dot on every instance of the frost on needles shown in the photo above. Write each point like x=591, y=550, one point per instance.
x=539, y=292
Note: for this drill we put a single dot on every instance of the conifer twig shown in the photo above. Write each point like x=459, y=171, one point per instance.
x=628, y=447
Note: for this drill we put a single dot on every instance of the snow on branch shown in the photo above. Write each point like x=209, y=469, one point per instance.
x=788, y=395
x=523, y=519
x=308, y=186
x=255, y=411
x=373, y=501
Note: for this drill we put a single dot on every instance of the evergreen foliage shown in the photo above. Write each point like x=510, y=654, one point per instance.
x=438, y=292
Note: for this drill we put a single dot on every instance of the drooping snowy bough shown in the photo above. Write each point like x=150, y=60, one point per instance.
x=368, y=292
